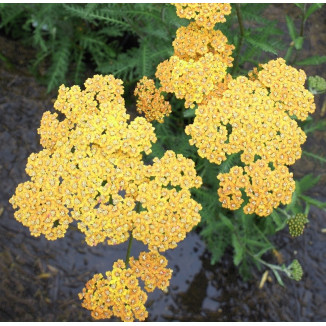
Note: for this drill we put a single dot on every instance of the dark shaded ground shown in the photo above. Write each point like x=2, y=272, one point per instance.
x=40, y=279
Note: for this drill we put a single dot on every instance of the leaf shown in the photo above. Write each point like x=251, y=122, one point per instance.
x=261, y=45
x=144, y=64
x=226, y=222
x=313, y=201
x=280, y=223
x=278, y=277
x=314, y=60
x=61, y=59
x=299, y=5
x=189, y=113
x=298, y=42
x=315, y=156
x=291, y=27
x=307, y=182
x=44, y=275
x=238, y=250
x=312, y=9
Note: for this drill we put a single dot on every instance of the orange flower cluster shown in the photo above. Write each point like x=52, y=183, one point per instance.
x=91, y=170
x=247, y=119
x=201, y=54
x=191, y=80
x=193, y=42
x=167, y=214
x=286, y=87
x=150, y=101
x=205, y=14
x=151, y=268
x=253, y=117
x=265, y=187
x=118, y=294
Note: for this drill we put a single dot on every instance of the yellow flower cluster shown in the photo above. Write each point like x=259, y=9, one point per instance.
x=167, y=214
x=201, y=54
x=247, y=119
x=254, y=117
x=286, y=87
x=118, y=294
x=150, y=101
x=151, y=268
x=91, y=171
x=191, y=80
x=265, y=187
x=205, y=14
x=193, y=42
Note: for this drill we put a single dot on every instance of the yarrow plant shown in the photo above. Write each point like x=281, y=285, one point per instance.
x=91, y=171
x=93, y=168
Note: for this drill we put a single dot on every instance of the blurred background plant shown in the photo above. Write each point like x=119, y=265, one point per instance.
x=126, y=40
x=129, y=41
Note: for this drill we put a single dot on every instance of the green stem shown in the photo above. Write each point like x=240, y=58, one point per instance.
x=128, y=250
x=288, y=54
x=303, y=19
x=240, y=43
x=283, y=212
x=138, y=206
x=274, y=267
x=301, y=33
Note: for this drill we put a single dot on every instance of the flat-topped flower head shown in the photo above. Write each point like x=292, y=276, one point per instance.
x=118, y=294
x=192, y=42
x=168, y=211
x=150, y=101
x=191, y=80
x=205, y=14
x=92, y=171
x=91, y=161
x=151, y=268
x=265, y=188
x=286, y=86
x=246, y=118
x=297, y=224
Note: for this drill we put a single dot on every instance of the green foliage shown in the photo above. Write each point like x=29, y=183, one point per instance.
x=298, y=37
x=314, y=60
x=316, y=157
x=261, y=38
x=312, y=8
x=127, y=40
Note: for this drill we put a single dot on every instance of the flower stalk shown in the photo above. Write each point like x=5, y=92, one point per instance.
x=241, y=37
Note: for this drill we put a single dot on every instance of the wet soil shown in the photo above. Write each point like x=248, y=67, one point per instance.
x=40, y=279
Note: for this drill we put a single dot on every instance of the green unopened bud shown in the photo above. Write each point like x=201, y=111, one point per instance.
x=297, y=224
x=316, y=84
x=296, y=270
